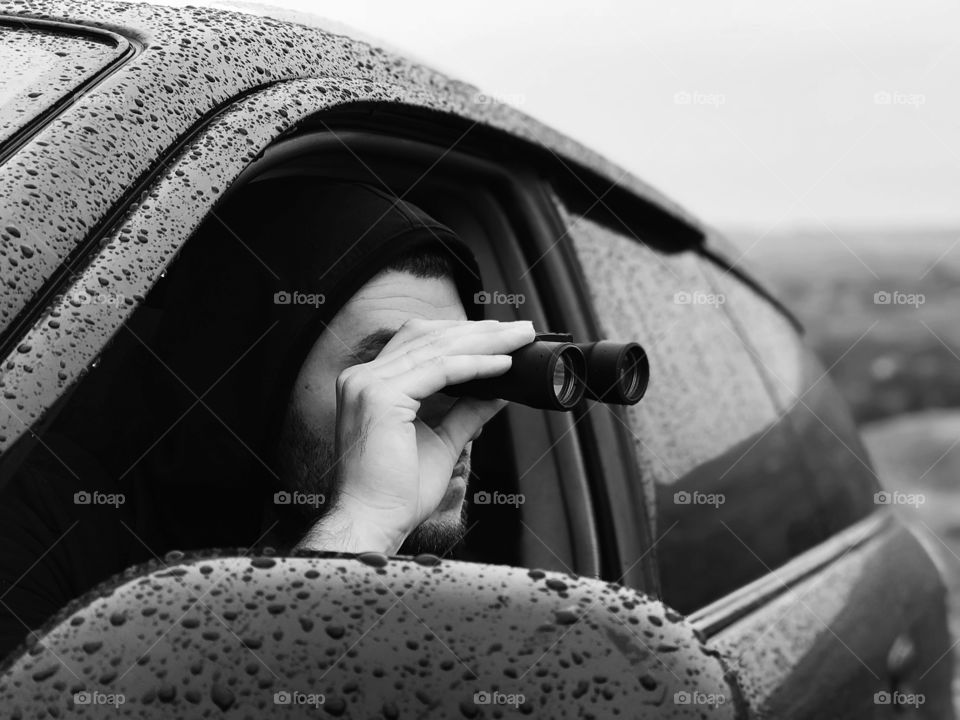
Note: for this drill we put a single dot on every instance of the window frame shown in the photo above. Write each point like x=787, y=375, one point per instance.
x=564, y=540
x=577, y=522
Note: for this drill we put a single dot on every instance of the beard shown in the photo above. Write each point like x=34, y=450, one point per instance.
x=308, y=464
x=436, y=536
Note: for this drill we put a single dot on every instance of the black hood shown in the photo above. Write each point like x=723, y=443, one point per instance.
x=235, y=335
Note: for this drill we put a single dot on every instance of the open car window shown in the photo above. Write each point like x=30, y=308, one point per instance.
x=142, y=455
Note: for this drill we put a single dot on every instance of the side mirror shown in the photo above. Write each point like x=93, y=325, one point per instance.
x=364, y=636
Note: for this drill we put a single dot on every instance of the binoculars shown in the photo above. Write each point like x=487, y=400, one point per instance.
x=555, y=373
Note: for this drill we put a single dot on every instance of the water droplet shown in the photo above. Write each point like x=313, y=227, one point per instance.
x=374, y=559
x=335, y=631
x=222, y=696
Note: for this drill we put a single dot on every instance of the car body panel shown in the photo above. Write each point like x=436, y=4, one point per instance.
x=373, y=637
x=132, y=256
x=871, y=621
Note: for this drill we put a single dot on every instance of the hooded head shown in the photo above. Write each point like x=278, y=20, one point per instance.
x=288, y=283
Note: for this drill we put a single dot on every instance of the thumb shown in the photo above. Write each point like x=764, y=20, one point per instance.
x=464, y=421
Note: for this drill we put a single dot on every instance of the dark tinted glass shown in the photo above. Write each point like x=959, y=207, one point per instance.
x=719, y=444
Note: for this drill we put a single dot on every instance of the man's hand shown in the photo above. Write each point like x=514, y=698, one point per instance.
x=393, y=469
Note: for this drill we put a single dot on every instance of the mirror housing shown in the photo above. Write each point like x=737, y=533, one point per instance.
x=364, y=636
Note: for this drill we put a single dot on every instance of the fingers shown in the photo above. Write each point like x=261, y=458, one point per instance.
x=419, y=334
x=434, y=355
x=435, y=374
x=496, y=339
x=414, y=332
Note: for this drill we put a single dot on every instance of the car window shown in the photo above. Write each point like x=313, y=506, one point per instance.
x=834, y=459
x=40, y=68
x=153, y=451
x=732, y=501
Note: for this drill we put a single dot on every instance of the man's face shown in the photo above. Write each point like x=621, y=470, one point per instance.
x=356, y=335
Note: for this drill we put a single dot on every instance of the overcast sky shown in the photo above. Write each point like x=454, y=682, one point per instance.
x=746, y=112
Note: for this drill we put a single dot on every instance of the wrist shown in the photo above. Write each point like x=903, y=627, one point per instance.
x=345, y=529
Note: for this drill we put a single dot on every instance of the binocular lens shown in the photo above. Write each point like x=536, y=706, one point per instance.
x=564, y=378
x=634, y=373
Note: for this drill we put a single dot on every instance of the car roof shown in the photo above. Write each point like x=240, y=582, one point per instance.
x=298, y=17
x=75, y=177
x=155, y=20
x=185, y=63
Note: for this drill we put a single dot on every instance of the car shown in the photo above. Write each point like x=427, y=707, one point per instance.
x=722, y=549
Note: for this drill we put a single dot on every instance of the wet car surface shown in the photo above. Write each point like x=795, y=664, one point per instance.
x=715, y=551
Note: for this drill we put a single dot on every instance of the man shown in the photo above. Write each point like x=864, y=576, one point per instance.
x=292, y=396
x=365, y=425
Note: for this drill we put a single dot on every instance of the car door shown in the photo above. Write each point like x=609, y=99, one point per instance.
x=767, y=534
x=69, y=339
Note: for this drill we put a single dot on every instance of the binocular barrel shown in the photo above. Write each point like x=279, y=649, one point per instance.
x=554, y=373
x=617, y=373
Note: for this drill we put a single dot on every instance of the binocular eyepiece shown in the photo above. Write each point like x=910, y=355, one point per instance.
x=554, y=373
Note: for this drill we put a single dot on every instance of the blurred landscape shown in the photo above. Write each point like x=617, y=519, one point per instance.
x=888, y=359
x=896, y=362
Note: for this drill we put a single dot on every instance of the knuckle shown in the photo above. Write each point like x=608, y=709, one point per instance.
x=444, y=365
x=369, y=394
x=437, y=361
x=351, y=380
